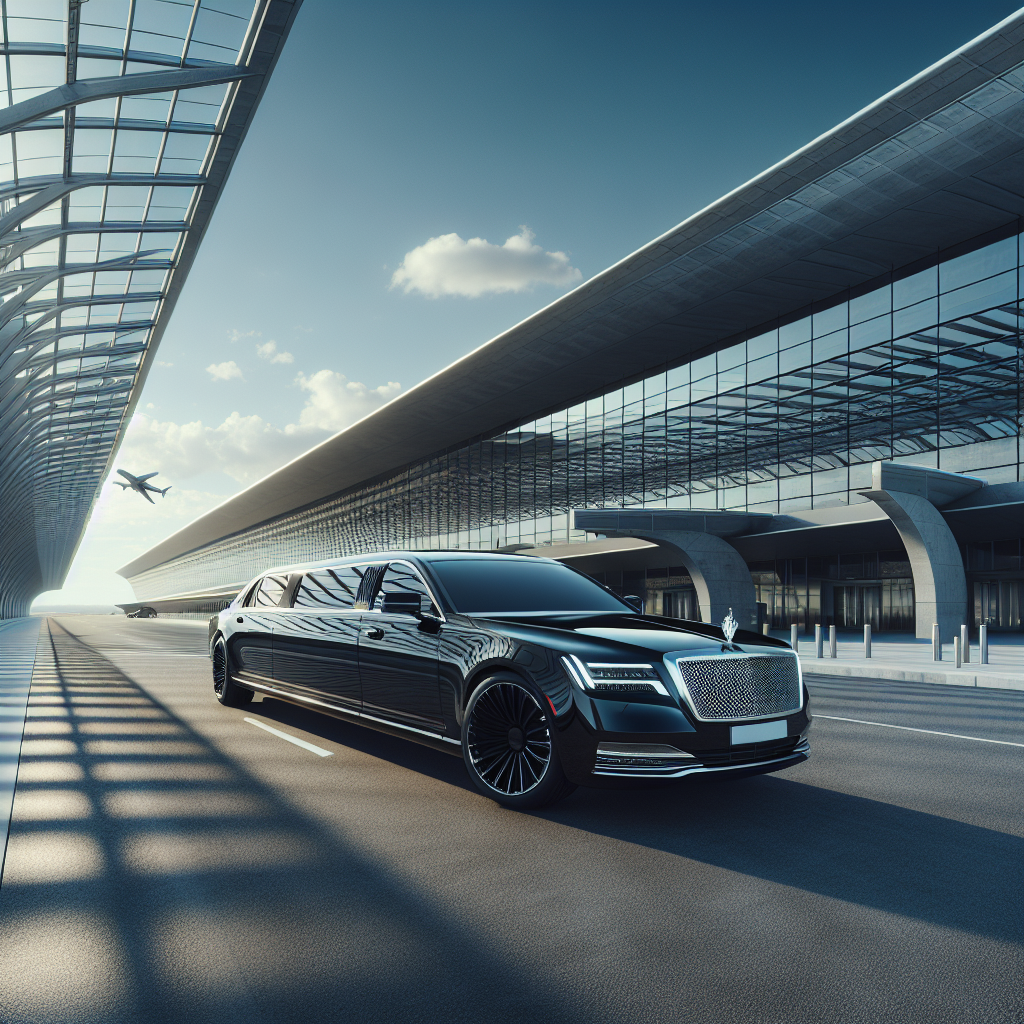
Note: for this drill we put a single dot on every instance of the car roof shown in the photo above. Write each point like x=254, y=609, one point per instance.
x=435, y=555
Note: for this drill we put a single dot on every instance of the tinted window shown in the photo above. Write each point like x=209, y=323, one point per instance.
x=330, y=588
x=402, y=579
x=269, y=592
x=522, y=585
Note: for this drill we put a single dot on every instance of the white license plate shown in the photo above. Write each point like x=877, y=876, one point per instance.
x=759, y=732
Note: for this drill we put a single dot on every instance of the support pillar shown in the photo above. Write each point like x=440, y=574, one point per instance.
x=719, y=573
x=908, y=496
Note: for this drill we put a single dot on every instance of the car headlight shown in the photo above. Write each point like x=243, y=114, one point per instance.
x=615, y=676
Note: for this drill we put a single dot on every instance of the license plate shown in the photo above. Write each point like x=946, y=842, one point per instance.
x=759, y=732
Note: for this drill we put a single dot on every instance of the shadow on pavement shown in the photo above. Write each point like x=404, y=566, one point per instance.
x=150, y=878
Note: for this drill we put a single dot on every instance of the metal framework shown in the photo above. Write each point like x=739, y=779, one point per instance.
x=119, y=123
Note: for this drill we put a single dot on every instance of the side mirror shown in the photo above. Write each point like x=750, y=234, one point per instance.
x=635, y=602
x=401, y=604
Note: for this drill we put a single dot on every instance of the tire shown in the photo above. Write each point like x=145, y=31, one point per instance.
x=228, y=692
x=508, y=746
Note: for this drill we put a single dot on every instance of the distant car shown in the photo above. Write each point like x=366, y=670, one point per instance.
x=544, y=679
x=145, y=612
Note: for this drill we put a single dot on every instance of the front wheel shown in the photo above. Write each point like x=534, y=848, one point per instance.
x=508, y=746
x=228, y=692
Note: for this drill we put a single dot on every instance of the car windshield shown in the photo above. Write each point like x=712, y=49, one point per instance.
x=481, y=586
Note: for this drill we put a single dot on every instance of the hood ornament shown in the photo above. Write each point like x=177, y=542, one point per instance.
x=729, y=627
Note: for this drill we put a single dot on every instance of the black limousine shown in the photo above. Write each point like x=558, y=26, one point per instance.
x=545, y=679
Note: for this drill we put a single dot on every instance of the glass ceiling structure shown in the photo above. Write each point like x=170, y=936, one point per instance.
x=119, y=123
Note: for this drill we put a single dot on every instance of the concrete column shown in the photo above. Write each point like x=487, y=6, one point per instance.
x=940, y=584
x=720, y=576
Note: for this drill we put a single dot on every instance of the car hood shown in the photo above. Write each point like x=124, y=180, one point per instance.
x=624, y=635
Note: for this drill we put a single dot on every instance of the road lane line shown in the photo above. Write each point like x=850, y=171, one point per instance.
x=319, y=751
x=931, y=732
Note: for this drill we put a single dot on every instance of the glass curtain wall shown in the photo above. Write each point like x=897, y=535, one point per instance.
x=926, y=368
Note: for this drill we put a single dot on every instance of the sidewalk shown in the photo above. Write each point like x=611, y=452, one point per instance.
x=909, y=660
x=18, y=640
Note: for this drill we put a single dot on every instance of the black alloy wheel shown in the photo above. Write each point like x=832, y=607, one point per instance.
x=229, y=693
x=508, y=748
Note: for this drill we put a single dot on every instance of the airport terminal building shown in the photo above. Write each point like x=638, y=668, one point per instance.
x=806, y=397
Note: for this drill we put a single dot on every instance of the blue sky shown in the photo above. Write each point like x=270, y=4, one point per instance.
x=594, y=126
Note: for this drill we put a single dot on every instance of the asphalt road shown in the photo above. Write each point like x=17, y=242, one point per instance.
x=169, y=861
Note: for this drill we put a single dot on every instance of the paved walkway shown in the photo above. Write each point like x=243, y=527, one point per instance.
x=18, y=638
x=908, y=660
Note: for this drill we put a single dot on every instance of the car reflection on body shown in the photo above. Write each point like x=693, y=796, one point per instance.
x=545, y=679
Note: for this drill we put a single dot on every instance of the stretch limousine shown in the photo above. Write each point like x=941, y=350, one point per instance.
x=544, y=679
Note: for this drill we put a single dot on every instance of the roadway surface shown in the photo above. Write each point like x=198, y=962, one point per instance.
x=170, y=861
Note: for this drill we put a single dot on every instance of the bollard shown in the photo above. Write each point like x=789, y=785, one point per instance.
x=794, y=637
x=765, y=627
x=818, y=642
x=867, y=639
x=956, y=651
x=965, y=645
x=833, y=650
x=936, y=643
x=983, y=644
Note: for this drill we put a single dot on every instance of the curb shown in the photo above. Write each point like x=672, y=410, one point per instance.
x=865, y=669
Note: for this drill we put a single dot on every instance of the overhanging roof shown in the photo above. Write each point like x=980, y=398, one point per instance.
x=115, y=145
x=935, y=162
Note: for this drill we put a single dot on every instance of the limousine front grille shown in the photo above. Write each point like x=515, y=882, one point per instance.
x=734, y=686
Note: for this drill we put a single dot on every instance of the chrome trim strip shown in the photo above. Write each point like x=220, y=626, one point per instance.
x=672, y=658
x=289, y=695
x=799, y=750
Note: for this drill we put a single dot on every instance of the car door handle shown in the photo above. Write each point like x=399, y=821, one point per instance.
x=374, y=633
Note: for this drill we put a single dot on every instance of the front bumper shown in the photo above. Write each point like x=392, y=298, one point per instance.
x=757, y=759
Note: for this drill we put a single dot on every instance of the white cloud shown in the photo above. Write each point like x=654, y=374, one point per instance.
x=335, y=402
x=268, y=350
x=234, y=335
x=224, y=371
x=247, y=448
x=450, y=265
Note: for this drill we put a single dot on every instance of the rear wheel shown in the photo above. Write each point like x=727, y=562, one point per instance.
x=508, y=746
x=228, y=692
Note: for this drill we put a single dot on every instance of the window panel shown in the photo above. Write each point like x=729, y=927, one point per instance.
x=991, y=292
x=102, y=21
x=832, y=319
x=795, y=333
x=40, y=152
x=982, y=263
x=917, y=287
x=873, y=304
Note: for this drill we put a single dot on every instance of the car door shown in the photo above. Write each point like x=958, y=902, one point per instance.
x=251, y=640
x=398, y=666
x=316, y=639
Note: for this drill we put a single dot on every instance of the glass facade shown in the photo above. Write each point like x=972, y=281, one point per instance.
x=923, y=367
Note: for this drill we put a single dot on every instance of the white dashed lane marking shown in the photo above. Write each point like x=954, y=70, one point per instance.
x=319, y=751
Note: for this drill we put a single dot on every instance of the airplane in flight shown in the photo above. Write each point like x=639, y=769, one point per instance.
x=138, y=483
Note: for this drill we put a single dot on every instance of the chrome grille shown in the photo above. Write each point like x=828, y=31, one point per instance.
x=742, y=686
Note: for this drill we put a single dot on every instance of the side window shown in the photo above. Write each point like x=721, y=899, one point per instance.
x=269, y=592
x=402, y=579
x=330, y=588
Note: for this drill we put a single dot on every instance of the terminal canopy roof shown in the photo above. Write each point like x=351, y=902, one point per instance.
x=119, y=122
